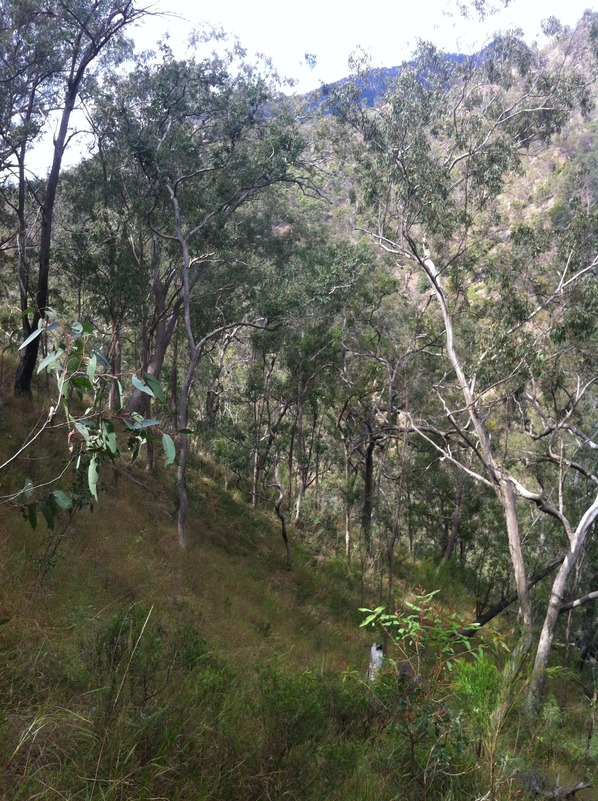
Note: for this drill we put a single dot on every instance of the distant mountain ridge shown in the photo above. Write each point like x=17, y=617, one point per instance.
x=377, y=81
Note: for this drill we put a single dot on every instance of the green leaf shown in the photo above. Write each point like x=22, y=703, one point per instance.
x=76, y=329
x=63, y=500
x=110, y=437
x=142, y=387
x=50, y=359
x=150, y=422
x=73, y=362
x=101, y=358
x=191, y=431
x=169, y=449
x=28, y=310
x=48, y=513
x=92, y=477
x=367, y=621
x=82, y=382
x=83, y=430
x=132, y=426
x=30, y=338
x=91, y=367
x=154, y=385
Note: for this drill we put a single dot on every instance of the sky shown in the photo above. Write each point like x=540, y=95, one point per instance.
x=330, y=30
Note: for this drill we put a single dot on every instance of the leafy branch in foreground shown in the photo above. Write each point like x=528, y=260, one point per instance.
x=82, y=379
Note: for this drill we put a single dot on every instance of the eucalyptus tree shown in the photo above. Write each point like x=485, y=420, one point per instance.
x=99, y=246
x=50, y=54
x=435, y=159
x=207, y=136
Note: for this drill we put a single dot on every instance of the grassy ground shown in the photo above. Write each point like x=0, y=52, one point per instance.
x=130, y=670
x=229, y=597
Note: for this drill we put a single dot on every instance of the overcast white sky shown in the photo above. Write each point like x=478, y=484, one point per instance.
x=332, y=29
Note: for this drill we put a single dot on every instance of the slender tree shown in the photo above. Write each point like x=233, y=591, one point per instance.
x=49, y=53
x=433, y=160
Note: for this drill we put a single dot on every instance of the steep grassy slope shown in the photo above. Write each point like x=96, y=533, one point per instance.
x=106, y=625
x=129, y=670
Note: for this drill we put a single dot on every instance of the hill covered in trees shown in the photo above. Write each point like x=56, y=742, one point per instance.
x=366, y=332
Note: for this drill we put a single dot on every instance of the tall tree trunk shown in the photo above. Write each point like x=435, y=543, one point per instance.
x=368, y=492
x=557, y=593
x=300, y=449
x=86, y=48
x=181, y=485
x=281, y=517
x=157, y=341
x=454, y=532
x=347, y=502
x=115, y=358
x=497, y=477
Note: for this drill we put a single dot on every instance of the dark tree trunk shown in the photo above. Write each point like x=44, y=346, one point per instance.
x=115, y=358
x=86, y=47
x=368, y=493
x=454, y=532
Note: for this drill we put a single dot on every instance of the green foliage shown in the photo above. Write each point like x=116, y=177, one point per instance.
x=419, y=630
x=477, y=685
x=79, y=368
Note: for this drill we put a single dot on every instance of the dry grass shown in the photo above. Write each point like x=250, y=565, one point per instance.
x=232, y=583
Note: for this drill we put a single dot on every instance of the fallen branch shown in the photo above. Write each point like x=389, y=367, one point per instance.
x=505, y=602
x=591, y=596
x=560, y=793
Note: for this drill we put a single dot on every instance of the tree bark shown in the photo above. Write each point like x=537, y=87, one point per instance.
x=501, y=482
x=454, y=533
x=368, y=491
x=555, y=605
x=117, y=17
x=115, y=359
x=281, y=517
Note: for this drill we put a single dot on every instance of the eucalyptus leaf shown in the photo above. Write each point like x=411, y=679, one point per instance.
x=150, y=422
x=32, y=515
x=92, y=477
x=155, y=386
x=110, y=437
x=48, y=513
x=91, y=367
x=50, y=360
x=142, y=387
x=83, y=430
x=63, y=500
x=30, y=338
x=169, y=449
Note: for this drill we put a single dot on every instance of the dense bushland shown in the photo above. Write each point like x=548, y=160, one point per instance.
x=364, y=335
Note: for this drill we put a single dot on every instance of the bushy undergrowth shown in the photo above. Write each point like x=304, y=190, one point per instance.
x=127, y=709
x=155, y=715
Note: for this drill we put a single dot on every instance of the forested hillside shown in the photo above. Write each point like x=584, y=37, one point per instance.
x=275, y=366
